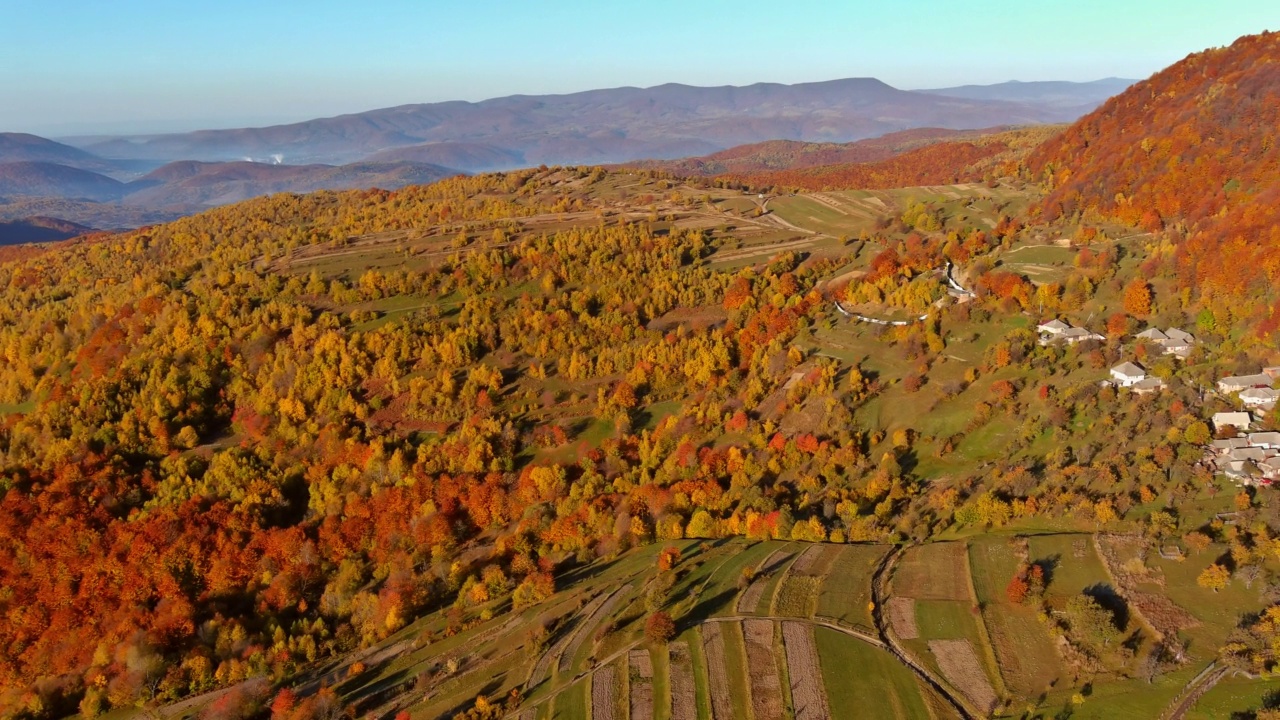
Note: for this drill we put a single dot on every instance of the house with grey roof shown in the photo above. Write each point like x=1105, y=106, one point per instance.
x=1146, y=386
x=1236, y=383
x=1173, y=341
x=1265, y=440
x=1127, y=374
x=1053, y=327
x=1263, y=398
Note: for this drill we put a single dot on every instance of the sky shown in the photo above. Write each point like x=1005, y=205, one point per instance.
x=71, y=67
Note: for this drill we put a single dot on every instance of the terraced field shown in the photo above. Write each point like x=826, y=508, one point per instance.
x=804, y=645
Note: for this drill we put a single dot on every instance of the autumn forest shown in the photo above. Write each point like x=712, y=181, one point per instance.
x=732, y=425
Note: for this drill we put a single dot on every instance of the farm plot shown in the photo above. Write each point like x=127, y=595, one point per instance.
x=641, y=681
x=936, y=578
x=762, y=669
x=721, y=591
x=846, y=591
x=1233, y=697
x=571, y=703
x=808, y=698
x=1072, y=565
x=1024, y=650
x=865, y=682
x=798, y=594
x=902, y=616
x=604, y=694
x=933, y=572
x=721, y=674
x=963, y=670
x=684, y=694
x=1126, y=559
x=816, y=216
x=1217, y=613
x=580, y=633
x=553, y=654
x=816, y=560
x=750, y=599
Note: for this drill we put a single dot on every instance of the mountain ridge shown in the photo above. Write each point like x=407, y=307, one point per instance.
x=603, y=125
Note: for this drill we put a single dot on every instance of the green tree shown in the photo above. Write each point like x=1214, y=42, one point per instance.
x=1090, y=621
x=1197, y=433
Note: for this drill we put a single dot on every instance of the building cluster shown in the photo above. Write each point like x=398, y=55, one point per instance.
x=1059, y=331
x=1251, y=458
x=1173, y=341
x=1239, y=452
x=1255, y=391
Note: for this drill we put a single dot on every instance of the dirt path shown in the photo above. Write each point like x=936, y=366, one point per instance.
x=808, y=696
x=1193, y=692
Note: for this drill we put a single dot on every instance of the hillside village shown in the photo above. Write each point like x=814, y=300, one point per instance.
x=1240, y=449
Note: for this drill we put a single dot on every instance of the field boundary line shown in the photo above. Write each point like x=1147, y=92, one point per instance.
x=988, y=648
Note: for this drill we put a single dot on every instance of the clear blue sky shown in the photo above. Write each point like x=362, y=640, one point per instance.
x=79, y=66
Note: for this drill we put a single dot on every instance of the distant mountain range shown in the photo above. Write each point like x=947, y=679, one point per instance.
x=188, y=185
x=159, y=176
x=623, y=124
x=1071, y=98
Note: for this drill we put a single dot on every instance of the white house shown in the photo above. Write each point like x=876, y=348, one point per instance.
x=1238, y=420
x=1053, y=327
x=1152, y=334
x=1259, y=397
x=1264, y=440
x=1127, y=374
x=1236, y=383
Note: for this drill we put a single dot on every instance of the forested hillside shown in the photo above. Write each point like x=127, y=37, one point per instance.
x=904, y=159
x=586, y=442
x=247, y=441
x=1191, y=150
